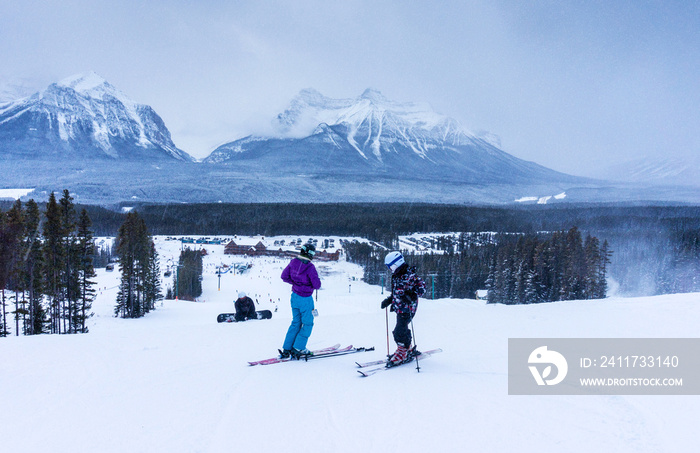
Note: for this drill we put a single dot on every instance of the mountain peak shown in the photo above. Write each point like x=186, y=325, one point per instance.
x=384, y=117
x=88, y=85
x=373, y=95
x=84, y=83
x=85, y=116
x=371, y=126
x=311, y=95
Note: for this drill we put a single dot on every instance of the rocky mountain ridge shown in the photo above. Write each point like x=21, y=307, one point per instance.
x=84, y=117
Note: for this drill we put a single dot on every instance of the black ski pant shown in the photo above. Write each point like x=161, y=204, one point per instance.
x=402, y=334
x=241, y=315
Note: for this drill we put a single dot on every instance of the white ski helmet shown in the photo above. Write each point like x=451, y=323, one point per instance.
x=393, y=261
x=241, y=295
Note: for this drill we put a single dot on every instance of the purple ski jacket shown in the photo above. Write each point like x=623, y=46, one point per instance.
x=302, y=275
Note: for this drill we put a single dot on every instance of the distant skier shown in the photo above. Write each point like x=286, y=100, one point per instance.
x=245, y=307
x=302, y=275
x=406, y=287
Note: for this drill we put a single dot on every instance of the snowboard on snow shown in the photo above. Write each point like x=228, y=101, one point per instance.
x=231, y=317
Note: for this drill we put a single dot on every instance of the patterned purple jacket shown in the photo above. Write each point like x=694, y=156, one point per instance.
x=406, y=287
x=302, y=275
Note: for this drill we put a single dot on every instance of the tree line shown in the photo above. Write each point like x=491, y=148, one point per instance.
x=458, y=268
x=382, y=221
x=655, y=249
x=514, y=268
x=560, y=267
x=654, y=245
x=46, y=270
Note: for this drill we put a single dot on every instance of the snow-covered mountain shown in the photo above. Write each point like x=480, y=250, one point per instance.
x=372, y=135
x=671, y=170
x=84, y=117
x=371, y=115
x=84, y=135
x=13, y=89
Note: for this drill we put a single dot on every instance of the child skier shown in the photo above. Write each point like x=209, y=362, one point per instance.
x=406, y=287
x=302, y=275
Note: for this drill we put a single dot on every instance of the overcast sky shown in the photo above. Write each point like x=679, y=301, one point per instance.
x=567, y=84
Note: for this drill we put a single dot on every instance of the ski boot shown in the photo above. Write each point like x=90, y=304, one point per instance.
x=399, y=357
x=284, y=353
x=301, y=354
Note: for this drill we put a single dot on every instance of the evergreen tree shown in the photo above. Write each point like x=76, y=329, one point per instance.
x=490, y=284
x=15, y=281
x=573, y=281
x=189, y=278
x=532, y=288
x=152, y=286
x=54, y=253
x=136, y=262
x=85, y=251
x=103, y=256
x=11, y=246
x=70, y=264
x=5, y=252
x=33, y=270
x=591, y=248
x=557, y=288
x=605, y=255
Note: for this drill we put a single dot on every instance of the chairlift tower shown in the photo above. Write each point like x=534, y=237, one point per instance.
x=433, y=275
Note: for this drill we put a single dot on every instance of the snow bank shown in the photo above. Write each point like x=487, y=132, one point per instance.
x=14, y=193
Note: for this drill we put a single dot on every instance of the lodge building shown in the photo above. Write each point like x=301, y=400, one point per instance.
x=260, y=249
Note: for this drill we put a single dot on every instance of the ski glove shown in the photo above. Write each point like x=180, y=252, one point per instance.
x=386, y=302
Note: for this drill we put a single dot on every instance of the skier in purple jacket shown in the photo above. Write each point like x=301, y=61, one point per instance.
x=302, y=275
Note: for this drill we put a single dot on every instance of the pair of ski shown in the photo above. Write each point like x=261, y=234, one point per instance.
x=366, y=371
x=336, y=350
x=332, y=351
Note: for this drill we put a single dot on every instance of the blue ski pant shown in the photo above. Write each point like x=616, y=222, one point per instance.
x=302, y=322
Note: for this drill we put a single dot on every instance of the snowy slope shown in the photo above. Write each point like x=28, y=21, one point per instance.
x=176, y=381
x=84, y=116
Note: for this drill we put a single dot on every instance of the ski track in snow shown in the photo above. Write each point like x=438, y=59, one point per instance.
x=176, y=381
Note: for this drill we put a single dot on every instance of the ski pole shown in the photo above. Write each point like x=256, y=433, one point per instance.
x=386, y=312
x=413, y=330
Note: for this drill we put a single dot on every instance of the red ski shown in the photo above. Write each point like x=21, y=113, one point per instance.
x=278, y=360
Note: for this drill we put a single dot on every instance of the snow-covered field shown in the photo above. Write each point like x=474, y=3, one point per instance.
x=14, y=193
x=176, y=381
